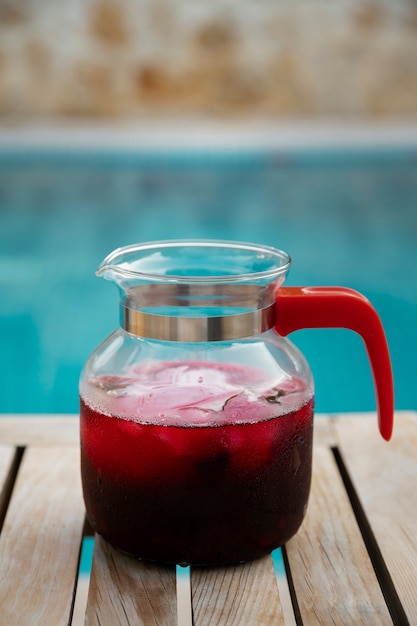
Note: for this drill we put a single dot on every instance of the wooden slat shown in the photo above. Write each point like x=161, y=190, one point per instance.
x=7, y=455
x=242, y=595
x=324, y=434
x=41, y=538
x=22, y=430
x=6, y=459
x=125, y=591
x=384, y=476
x=333, y=577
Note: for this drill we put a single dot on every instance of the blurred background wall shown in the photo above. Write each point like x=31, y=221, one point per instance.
x=230, y=58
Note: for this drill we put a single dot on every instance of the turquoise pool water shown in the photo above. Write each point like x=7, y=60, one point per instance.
x=345, y=217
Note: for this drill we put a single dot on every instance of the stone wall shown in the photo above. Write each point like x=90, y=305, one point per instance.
x=269, y=58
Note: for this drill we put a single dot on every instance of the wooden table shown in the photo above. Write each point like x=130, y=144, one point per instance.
x=354, y=561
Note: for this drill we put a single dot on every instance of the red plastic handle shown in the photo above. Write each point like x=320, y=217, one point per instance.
x=339, y=307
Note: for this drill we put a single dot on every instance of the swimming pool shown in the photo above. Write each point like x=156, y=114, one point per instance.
x=346, y=217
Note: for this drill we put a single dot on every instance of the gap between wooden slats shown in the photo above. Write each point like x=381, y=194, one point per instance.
x=9, y=463
x=40, y=539
x=125, y=591
x=334, y=581
x=236, y=596
x=384, y=477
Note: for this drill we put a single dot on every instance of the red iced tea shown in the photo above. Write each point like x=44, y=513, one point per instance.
x=206, y=464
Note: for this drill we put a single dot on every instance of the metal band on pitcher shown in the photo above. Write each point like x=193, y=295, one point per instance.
x=194, y=329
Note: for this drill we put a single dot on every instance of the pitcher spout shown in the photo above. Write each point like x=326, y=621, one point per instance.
x=117, y=264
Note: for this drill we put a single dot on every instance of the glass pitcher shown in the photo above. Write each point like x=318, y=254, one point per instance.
x=197, y=412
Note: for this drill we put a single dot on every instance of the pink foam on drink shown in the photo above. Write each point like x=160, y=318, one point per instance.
x=193, y=393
